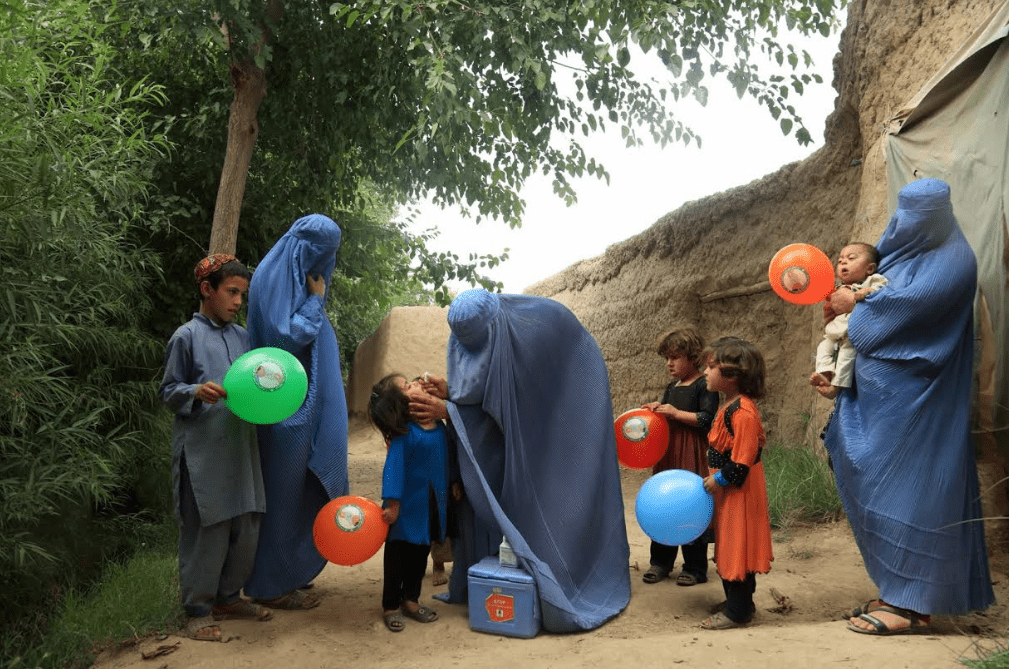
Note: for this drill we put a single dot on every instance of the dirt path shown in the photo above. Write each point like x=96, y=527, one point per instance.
x=819, y=569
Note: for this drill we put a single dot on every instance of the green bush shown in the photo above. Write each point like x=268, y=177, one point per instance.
x=83, y=457
x=130, y=600
x=998, y=659
x=800, y=486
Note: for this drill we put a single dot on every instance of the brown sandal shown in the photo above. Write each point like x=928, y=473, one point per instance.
x=203, y=628
x=242, y=609
x=296, y=600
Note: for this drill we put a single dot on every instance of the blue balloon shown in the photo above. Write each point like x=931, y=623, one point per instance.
x=673, y=508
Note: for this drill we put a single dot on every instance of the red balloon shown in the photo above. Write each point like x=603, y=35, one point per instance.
x=349, y=530
x=801, y=274
x=642, y=438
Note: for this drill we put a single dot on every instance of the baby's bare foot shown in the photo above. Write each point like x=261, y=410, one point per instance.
x=820, y=379
x=828, y=391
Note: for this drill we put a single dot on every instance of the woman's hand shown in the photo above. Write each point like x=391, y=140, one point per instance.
x=840, y=302
x=435, y=385
x=316, y=284
x=651, y=406
x=424, y=407
x=710, y=485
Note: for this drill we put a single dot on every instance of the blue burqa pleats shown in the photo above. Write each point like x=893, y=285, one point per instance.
x=531, y=408
x=900, y=436
x=304, y=457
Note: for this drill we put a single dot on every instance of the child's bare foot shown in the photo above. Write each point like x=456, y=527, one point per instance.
x=438, y=576
x=820, y=379
x=828, y=391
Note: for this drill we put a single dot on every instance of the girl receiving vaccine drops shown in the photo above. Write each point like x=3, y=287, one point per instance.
x=415, y=496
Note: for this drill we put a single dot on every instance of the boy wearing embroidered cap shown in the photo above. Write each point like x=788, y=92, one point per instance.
x=216, y=479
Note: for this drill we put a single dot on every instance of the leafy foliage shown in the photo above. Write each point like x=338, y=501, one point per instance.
x=468, y=100
x=800, y=486
x=79, y=431
x=459, y=101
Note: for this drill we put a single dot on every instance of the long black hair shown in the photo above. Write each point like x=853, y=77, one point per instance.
x=389, y=407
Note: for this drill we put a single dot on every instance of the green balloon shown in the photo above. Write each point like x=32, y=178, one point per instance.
x=266, y=385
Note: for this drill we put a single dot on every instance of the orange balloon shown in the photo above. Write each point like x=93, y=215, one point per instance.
x=642, y=438
x=801, y=274
x=349, y=530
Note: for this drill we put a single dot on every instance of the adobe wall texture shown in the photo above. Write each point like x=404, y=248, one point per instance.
x=680, y=269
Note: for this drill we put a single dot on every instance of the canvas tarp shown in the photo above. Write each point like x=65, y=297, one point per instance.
x=957, y=129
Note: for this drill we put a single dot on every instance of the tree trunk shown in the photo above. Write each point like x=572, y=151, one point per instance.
x=249, y=83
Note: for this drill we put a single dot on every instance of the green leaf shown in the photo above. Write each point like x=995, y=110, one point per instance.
x=623, y=56
x=786, y=126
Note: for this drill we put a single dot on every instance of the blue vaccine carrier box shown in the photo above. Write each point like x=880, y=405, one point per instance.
x=503, y=600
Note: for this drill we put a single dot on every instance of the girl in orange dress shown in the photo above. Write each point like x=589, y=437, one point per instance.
x=735, y=368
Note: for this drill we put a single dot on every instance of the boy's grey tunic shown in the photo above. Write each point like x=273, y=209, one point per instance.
x=220, y=450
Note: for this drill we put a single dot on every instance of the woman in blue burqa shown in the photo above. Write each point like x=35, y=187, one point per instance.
x=530, y=407
x=900, y=437
x=304, y=458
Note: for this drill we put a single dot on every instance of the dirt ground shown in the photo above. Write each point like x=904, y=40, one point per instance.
x=818, y=569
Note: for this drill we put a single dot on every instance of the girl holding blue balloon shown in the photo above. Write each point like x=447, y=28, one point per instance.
x=689, y=407
x=735, y=368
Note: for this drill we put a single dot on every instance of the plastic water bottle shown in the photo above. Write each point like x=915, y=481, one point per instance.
x=506, y=556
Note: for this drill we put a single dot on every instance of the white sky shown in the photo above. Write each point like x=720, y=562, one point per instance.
x=740, y=143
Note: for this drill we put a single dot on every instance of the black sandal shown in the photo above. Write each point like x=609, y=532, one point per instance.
x=685, y=578
x=421, y=615
x=655, y=574
x=394, y=621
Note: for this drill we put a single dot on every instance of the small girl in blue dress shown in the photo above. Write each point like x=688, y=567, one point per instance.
x=415, y=497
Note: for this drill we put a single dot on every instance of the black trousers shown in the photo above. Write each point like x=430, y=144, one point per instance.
x=695, y=557
x=739, y=598
x=404, y=565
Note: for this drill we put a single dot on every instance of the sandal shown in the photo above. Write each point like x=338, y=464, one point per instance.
x=203, y=628
x=685, y=578
x=868, y=607
x=655, y=574
x=720, y=606
x=720, y=621
x=242, y=609
x=879, y=628
x=394, y=621
x=296, y=600
x=422, y=614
